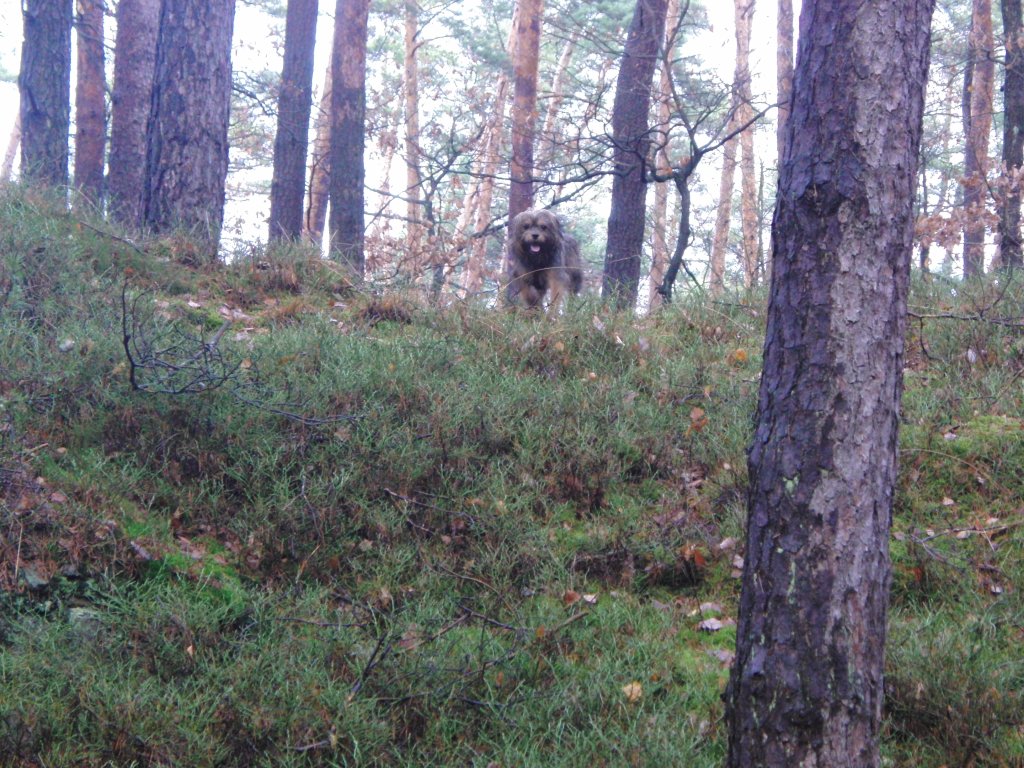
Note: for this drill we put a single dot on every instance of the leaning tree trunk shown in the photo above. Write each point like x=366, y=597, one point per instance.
x=45, y=87
x=1013, y=137
x=806, y=686
x=348, y=117
x=631, y=145
x=315, y=220
x=138, y=22
x=90, y=102
x=294, y=104
x=187, y=138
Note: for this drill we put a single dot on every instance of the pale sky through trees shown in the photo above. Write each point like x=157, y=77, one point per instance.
x=716, y=48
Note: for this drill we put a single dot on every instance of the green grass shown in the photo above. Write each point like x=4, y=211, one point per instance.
x=398, y=535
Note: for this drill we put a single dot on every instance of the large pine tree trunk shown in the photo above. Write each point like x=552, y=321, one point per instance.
x=187, y=139
x=979, y=77
x=294, y=104
x=90, y=102
x=630, y=110
x=44, y=83
x=524, y=105
x=134, y=57
x=1013, y=137
x=806, y=686
x=348, y=117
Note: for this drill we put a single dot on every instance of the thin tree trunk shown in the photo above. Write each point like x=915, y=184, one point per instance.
x=977, y=108
x=138, y=22
x=1010, y=252
x=348, y=118
x=320, y=169
x=549, y=137
x=783, y=70
x=748, y=196
x=524, y=106
x=806, y=686
x=12, y=149
x=294, y=104
x=663, y=165
x=630, y=110
x=493, y=141
x=723, y=213
x=90, y=102
x=44, y=83
x=413, y=185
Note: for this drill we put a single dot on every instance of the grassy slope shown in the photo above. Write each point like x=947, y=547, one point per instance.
x=489, y=540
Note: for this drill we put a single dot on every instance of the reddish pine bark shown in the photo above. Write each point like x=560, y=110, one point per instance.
x=524, y=105
x=979, y=77
x=90, y=102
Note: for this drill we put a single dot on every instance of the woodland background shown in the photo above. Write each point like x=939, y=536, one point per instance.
x=441, y=115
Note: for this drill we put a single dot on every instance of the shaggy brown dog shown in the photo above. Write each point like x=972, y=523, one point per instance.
x=541, y=258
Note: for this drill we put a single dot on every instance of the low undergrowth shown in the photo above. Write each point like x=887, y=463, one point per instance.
x=333, y=528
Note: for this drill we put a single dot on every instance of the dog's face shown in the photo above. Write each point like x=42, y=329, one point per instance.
x=537, y=236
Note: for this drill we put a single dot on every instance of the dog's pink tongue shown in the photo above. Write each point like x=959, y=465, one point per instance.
x=534, y=248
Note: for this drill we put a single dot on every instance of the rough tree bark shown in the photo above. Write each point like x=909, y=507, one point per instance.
x=348, y=117
x=138, y=22
x=44, y=83
x=90, y=102
x=979, y=77
x=294, y=104
x=806, y=685
x=1010, y=254
x=187, y=137
x=631, y=146
x=524, y=105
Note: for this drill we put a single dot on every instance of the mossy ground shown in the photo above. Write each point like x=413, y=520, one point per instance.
x=387, y=533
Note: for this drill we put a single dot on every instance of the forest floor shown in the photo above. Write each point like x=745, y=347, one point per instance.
x=331, y=528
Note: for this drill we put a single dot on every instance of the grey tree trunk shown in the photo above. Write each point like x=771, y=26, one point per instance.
x=1013, y=136
x=806, y=685
x=348, y=117
x=134, y=57
x=630, y=153
x=187, y=138
x=294, y=105
x=44, y=83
